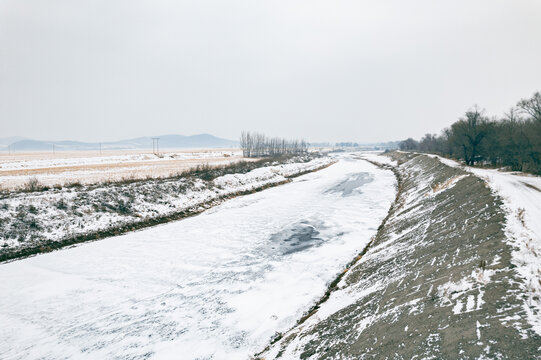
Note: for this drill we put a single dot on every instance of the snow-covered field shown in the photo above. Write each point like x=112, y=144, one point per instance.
x=89, y=168
x=46, y=160
x=214, y=286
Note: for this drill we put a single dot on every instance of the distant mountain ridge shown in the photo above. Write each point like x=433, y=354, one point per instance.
x=165, y=142
x=5, y=142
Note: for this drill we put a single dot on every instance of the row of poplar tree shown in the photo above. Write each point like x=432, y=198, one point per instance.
x=512, y=141
x=259, y=145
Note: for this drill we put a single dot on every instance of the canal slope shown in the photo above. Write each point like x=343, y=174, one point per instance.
x=440, y=280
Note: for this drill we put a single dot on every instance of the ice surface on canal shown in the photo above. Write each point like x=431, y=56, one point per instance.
x=215, y=286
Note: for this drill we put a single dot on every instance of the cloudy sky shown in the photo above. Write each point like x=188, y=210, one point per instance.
x=336, y=70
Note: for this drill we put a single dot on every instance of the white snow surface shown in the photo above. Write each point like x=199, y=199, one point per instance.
x=378, y=157
x=110, y=159
x=214, y=286
x=521, y=194
x=56, y=225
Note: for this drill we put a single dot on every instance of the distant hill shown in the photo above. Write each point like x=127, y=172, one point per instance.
x=165, y=142
x=5, y=142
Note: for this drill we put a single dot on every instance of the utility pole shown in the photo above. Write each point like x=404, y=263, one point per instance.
x=155, y=145
x=100, y=148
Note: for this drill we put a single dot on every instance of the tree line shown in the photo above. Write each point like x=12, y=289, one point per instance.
x=258, y=145
x=512, y=140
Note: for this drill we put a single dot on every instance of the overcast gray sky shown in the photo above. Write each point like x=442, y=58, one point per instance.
x=98, y=70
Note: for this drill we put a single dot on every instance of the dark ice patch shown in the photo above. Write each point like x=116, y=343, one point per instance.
x=298, y=237
x=354, y=181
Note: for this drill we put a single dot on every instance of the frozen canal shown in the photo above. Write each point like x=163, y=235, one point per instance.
x=214, y=286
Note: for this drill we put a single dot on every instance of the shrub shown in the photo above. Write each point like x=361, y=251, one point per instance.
x=123, y=207
x=61, y=205
x=32, y=209
x=32, y=184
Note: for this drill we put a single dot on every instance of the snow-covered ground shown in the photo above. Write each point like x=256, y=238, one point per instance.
x=521, y=194
x=28, y=219
x=214, y=286
x=60, y=160
x=87, y=168
x=378, y=157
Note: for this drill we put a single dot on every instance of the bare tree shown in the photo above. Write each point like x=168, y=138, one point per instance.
x=531, y=106
x=468, y=133
x=408, y=144
x=258, y=145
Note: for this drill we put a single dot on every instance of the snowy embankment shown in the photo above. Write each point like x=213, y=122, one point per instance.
x=214, y=286
x=39, y=219
x=450, y=274
x=521, y=196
